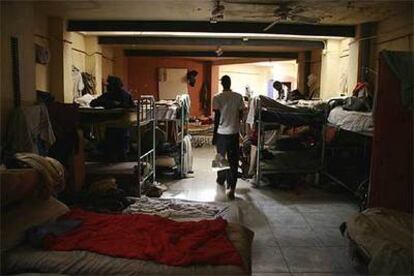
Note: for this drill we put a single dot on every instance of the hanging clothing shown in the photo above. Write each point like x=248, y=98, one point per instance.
x=204, y=99
x=188, y=155
x=184, y=102
x=77, y=81
x=89, y=82
x=29, y=130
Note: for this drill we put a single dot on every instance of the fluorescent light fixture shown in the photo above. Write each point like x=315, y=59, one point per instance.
x=214, y=35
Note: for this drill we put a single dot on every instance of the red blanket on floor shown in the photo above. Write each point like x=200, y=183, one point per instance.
x=146, y=237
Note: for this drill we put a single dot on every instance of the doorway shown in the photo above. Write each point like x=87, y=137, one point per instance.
x=253, y=79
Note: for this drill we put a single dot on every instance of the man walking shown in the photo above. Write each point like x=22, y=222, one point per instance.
x=228, y=111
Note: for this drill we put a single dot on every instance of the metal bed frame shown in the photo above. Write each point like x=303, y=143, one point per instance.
x=260, y=141
x=146, y=116
x=183, y=124
x=362, y=186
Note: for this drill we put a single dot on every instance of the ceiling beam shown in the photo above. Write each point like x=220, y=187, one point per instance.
x=206, y=26
x=136, y=40
x=250, y=54
x=243, y=60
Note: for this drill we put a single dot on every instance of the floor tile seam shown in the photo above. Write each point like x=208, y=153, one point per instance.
x=315, y=231
x=278, y=245
x=345, y=272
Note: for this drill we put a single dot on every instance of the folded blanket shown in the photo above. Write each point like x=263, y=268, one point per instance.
x=51, y=171
x=173, y=208
x=147, y=237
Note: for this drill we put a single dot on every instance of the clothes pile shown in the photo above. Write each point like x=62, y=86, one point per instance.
x=29, y=130
x=103, y=196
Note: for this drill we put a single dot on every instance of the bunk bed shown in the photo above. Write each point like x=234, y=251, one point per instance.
x=172, y=118
x=273, y=115
x=348, y=150
x=139, y=170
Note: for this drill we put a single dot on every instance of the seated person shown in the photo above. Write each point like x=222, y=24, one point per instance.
x=115, y=97
x=116, y=138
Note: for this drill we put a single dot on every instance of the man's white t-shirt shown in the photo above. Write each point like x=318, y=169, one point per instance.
x=229, y=104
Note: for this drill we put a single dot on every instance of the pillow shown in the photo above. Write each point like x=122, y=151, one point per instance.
x=27, y=214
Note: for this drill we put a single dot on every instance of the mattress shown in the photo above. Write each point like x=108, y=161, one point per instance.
x=26, y=259
x=310, y=103
x=277, y=112
x=117, y=117
x=292, y=161
x=294, y=117
x=361, y=122
x=167, y=110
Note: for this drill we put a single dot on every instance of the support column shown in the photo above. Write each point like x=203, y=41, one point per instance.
x=57, y=45
x=93, y=61
x=330, y=73
x=366, y=55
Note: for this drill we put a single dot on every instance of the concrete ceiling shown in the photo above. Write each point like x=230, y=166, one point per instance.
x=327, y=11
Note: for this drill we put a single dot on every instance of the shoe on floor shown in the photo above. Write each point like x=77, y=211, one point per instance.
x=219, y=182
x=230, y=195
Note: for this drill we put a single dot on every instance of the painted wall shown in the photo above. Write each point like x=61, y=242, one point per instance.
x=286, y=71
x=257, y=75
x=396, y=33
x=315, y=69
x=22, y=15
x=352, y=65
x=242, y=75
x=120, y=65
x=301, y=81
x=41, y=38
x=93, y=61
x=107, y=62
x=339, y=68
x=330, y=75
x=143, y=76
x=78, y=58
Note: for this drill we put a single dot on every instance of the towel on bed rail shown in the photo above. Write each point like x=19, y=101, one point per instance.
x=147, y=237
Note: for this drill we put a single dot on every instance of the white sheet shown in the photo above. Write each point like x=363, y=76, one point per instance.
x=351, y=120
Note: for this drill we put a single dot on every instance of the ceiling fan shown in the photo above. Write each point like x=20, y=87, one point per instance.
x=217, y=12
x=289, y=11
x=285, y=11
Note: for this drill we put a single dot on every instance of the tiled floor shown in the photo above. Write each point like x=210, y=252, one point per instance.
x=296, y=232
